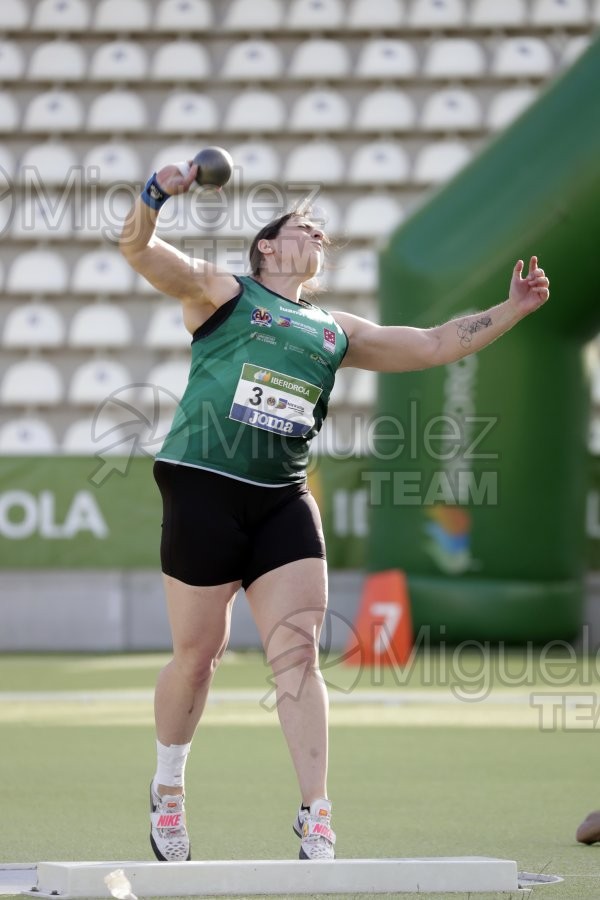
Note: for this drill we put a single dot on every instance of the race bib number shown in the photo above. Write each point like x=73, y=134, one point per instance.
x=274, y=401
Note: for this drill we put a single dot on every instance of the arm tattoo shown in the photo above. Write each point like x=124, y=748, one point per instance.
x=466, y=330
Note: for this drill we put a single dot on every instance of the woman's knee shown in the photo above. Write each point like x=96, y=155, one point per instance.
x=197, y=668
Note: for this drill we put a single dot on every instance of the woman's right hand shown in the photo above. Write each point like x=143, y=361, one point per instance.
x=172, y=181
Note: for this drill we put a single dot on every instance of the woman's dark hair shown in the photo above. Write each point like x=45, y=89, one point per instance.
x=271, y=230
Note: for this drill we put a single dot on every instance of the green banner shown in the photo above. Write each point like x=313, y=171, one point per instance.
x=79, y=512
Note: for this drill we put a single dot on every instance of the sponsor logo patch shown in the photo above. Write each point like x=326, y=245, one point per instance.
x=284, y=321
x=329, y=340
x=261, y=316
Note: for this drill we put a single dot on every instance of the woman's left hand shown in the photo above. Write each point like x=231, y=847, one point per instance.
x=531, y=292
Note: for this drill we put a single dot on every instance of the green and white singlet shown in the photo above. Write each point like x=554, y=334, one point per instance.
x=261, y=373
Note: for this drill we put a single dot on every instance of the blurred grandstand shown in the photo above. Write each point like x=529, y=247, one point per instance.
x=373, y=103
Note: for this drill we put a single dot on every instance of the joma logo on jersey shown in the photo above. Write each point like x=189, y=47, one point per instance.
x=273, y=423
x=261, y=316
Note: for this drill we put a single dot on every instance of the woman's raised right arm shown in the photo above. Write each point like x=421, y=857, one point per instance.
x=193, y=281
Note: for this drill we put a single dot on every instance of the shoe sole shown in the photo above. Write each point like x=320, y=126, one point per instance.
x=155, y=849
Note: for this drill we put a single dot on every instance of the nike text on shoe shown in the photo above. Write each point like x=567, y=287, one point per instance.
x=314, y=829
x=168, y=834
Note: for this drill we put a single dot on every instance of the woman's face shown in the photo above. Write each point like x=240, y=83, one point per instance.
x=298, y=248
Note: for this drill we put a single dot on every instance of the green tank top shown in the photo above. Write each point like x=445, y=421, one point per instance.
x=261, y=373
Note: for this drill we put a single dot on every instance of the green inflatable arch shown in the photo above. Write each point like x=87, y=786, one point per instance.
x=477, y=484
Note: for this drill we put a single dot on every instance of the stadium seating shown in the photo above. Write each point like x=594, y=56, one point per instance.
x=118, y=61
x=30, y=383
x=366, y=15
x=491, y=14
x=253, y=15
x=12, y=62
x=50, y=163
x=9, y=112
x=27, y=436
x=57, y=61
x=94, y=381
x=61, y=16
x=33, y=325
x=385, y=58
x=180, y=61
x=100, y=325
x=365, y=105
x=322, y=157
x=454, y=58
x=38, y=272
x=440, y=161
x=320, y=58
x=252, y=61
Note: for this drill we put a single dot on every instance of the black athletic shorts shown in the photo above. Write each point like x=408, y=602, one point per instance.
x=217, y=529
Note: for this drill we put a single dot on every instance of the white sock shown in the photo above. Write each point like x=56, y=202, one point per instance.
x=170, y=766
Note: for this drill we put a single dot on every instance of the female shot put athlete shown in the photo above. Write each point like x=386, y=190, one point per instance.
x=231, y=472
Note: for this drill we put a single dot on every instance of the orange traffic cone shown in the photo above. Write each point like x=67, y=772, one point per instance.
x=383, y=627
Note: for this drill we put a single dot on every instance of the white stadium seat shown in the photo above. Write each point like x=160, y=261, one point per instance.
x=9, y=113
x=436, y=14
x=596, y=11
x=118, y=61
x=253, y=60
x=170, y=378
x=440, y=161
x=116, y=111
x=13, y=15
x=122, y=16
x=180, y=61
x=256, y=162
x=49, y=163
x=173, y=153
x=255, y=112
x=387, y=58
x=32, y=382
x=364, y=14
x=187, y=16
x=112, y=163
x=12, y=63
x=38, y=272
x=490, y=13
x=7, y=166
x=57, y=61
x=326, y=213
x=372, y=216
x=380, y=162
x=451, y=109
x=320, y=58
x=574, y=48
x=100, y=325
x=320, y=161
x=356, y=272
x=187, y=113
x=26, y=436
x=552, y=13
x=320, y=110
x=101, y=217
x=253, y=15
x=53, y=111
x=41, y=216
x=522, y=56
x=96, y=380
x=362, y=390
x=315, y=15
x=508, y=105
x=33, y=325
x=101, y=272
x=454, y=58
x=60, y=15
x=385, y=110
x=166, y=330
x=94, y=435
